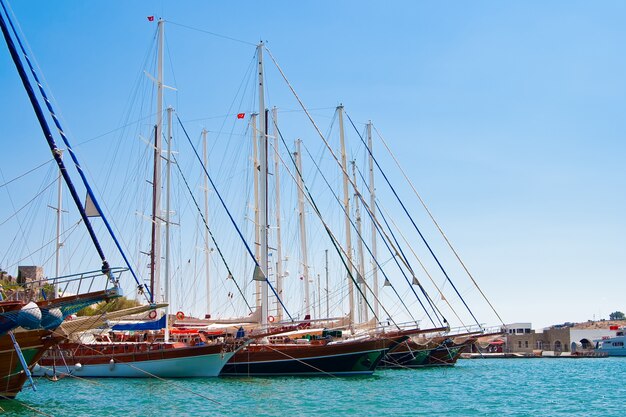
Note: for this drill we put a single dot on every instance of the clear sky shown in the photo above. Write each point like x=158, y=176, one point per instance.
x=507, y=116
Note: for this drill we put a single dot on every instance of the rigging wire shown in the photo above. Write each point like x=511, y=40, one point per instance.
x=437, y=224
x=338, y=248
x=412, y=221
x=53, y=147
x=219, y=250
x=230, y=215
x=441, y=294
x=26, y=173
x=401, y=255
x=211, y=33
x=363, y=239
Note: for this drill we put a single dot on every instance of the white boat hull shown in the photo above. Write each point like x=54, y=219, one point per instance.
x=209, y=365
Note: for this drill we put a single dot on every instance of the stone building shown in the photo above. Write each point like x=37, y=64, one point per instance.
x=568, y=337
x=29, y=274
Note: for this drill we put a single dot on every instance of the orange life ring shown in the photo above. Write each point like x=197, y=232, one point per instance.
x=180, y=315
x=270, y=319
x=152, y=314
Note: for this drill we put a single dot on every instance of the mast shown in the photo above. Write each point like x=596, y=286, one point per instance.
x=279, y=249
x=256, y=138
x=168, y=172
x=319, y=297
x=302, y=221
x=58, y=209
x=263, y=188
x=155, y=252
x=327, y=289
x=207, y=254
x=360, y=254
x=372, y=192
x=346, y=204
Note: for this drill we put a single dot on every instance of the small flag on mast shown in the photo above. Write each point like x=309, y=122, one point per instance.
x=150, y=18
x=241, y=115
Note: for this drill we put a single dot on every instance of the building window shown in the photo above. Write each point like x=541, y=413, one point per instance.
x=526, y=344
x=527, y=331
x=519, y=344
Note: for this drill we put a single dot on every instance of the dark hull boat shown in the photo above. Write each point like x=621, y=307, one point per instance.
x=319, y=358
x=33, y=344
x=441, y=351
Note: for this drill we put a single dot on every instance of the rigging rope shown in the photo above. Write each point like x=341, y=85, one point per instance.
x=26, y=173
x=219, y=196
x=405, y=260
x=15, y=213
x=412, y=221
x=381, y=210
x=55, y=151
x=437, y=225
x=338, y=248
x=211, y=33
x=363, y=240
x=206, y=225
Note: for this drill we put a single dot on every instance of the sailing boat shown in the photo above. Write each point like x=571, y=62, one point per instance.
x=111, y=354
x=278, y=354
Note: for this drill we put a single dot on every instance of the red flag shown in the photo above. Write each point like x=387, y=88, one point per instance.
x=150, y=18
x=241, y=115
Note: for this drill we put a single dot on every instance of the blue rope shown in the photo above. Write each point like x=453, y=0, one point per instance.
x=55, y=151
x=232, y=220
x=412, y=221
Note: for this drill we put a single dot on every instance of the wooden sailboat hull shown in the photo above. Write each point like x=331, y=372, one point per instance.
x=439, y=352
x=132, y=361
x=33, y=344
x=338, y=359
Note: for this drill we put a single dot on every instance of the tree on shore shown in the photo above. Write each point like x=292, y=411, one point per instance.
x=617, y=315
x=114, y=305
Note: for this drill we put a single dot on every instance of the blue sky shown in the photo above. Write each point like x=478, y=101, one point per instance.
x=508, y=116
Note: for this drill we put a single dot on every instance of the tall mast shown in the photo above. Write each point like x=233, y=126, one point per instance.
x=256, y=137
x=373, y=210
x=327, y=288
x=346, y=204
x=207, y=254
x=360, y=254
x=168, y=172
x=279, y=249
x=263, y=187
x=59, y=209
x=319, y=297
x=302, y=219
x=155, y=253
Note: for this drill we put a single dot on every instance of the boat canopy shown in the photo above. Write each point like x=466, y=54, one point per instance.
x=142, y=325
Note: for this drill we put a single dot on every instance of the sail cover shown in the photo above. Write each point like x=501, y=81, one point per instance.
x=142, y=325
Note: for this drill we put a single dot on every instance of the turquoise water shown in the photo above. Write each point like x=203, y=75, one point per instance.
x=489, y=387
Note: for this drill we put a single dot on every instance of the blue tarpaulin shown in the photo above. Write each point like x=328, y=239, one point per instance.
x=142, y=325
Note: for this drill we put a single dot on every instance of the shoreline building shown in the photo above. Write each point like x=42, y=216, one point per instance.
x=566, y=337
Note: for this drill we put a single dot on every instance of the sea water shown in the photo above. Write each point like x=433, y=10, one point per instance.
x=482, y=387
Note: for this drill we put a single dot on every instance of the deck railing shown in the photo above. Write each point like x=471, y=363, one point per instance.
x=67, y=285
